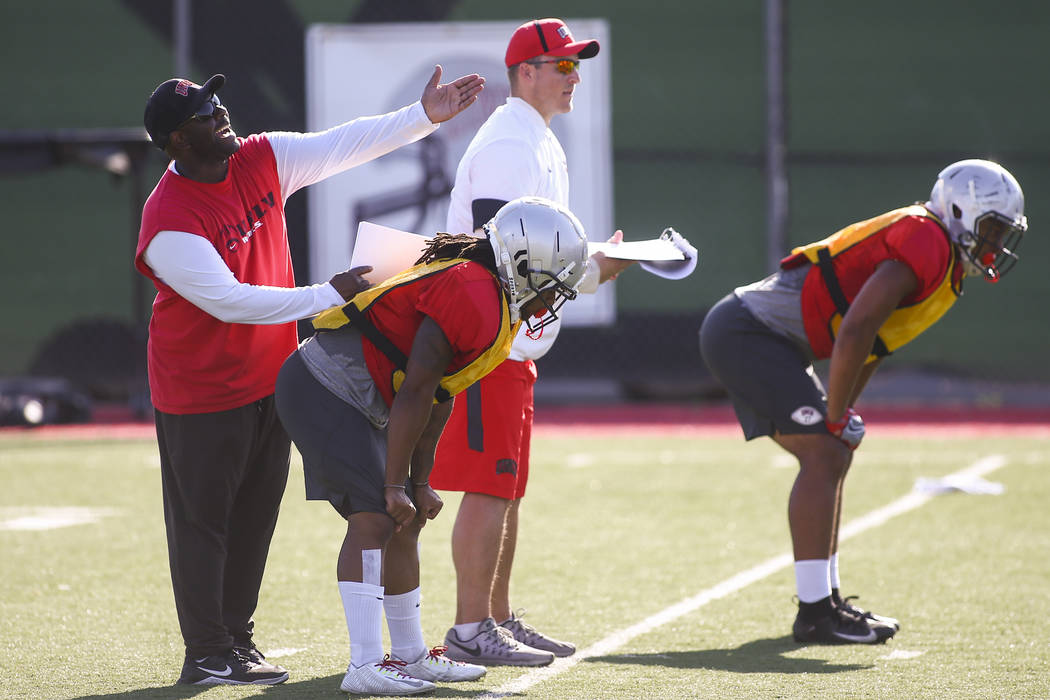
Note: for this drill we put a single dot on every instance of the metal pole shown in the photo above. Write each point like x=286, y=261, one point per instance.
x=776, y=135
x=182, y=38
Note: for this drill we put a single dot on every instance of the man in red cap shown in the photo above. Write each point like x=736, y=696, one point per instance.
x=484, y=451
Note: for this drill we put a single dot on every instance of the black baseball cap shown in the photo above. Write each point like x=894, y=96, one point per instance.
x=173, y=102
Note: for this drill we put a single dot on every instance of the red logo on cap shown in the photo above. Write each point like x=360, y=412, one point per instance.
x=183, y=87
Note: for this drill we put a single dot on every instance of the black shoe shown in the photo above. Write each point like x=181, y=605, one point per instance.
x=248, y=649
x=872, y=618
x=838, y=627
x=231, y=668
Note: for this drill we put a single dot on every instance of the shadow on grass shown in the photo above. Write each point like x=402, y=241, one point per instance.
x=759, y=656
x=327, y=687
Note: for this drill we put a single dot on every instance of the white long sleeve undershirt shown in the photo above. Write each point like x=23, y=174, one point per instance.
x=190, y=265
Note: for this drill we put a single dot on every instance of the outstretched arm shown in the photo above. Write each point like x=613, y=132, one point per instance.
x=444, y=101
x=601, y=268
x=611, y=267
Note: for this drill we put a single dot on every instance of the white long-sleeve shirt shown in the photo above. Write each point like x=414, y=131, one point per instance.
x=515, y=154
x=194, y=269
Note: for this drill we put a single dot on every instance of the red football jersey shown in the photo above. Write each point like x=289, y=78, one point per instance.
x=463, y=300
x=916, y=241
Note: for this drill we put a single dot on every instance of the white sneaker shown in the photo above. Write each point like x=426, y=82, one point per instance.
x=384, y=678
x=530, y=636
x=433, y=665
x=494, y=646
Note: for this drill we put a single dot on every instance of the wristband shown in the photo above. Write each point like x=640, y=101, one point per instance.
x=841, y=425
x=850, y=430
x=836, y=428
x=421, y=483
x=394, y=486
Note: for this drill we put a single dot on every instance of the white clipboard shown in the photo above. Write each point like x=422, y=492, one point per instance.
x=655, y=249
x=670, y=256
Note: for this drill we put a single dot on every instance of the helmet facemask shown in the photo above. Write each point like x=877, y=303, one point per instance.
x=540, y=282
x=992, y=249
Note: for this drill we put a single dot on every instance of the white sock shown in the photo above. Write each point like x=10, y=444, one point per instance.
x=467, y=630
x=406, y=630
x=363, y=605
x=834, y=571
x=812, y=580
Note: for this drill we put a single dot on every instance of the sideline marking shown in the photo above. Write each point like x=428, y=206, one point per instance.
x=731, y=585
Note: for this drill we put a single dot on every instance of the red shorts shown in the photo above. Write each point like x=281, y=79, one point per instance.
x=485, y=446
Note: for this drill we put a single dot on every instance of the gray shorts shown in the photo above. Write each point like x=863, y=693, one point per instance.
x=344, y=456
x=769, y=378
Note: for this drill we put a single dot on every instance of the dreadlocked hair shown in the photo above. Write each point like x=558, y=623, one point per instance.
x=446, y=246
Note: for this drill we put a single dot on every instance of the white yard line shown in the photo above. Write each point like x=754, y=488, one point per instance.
x=731, y=585
x=50, y=517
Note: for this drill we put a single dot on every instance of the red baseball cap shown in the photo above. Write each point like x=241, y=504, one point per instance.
x=546, y=36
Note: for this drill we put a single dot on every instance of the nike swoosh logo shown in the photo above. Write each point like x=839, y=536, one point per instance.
x=473, y=651
x=224, y=672
x=863, y=639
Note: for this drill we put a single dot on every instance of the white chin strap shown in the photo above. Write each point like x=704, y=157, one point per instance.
x=503, y=261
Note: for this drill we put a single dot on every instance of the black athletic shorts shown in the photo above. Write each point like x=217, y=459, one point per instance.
x=344, y=456
x=770, y=380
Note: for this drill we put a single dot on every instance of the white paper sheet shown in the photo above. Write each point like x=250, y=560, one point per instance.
x=387, y=250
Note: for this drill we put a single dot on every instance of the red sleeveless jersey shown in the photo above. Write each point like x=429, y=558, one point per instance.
x=917, y=241
x=197, y=363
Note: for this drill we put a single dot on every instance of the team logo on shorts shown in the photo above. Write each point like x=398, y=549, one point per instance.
x=507, y=466
x=807, y=415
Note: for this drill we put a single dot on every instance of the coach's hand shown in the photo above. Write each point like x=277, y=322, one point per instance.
x=850, y=430
x=399, y=506
x=610, y=268
x=350, y=282
x=442, y=102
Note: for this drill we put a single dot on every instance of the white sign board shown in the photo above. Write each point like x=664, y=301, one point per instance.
x=360, y=70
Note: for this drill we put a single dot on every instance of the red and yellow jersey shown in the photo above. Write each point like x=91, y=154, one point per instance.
x=462, y=297
x=844, y=261
x=197, y=363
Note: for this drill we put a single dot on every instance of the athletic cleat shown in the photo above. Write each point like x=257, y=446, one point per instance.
x=494, y=646
x=232, y=668
x=528, y=635
x=845, y=604
x=384, y=678
x=839, y=627
x=433, y=665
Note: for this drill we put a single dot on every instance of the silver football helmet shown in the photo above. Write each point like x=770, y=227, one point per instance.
x=539, y=246
x=983, y=207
